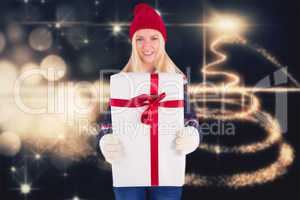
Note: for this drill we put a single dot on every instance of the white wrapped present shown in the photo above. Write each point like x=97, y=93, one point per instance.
x=147, y=111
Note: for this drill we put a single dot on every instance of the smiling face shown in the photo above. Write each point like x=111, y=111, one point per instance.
x=147, y=45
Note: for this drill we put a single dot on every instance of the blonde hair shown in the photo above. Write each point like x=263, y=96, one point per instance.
x=163, y=62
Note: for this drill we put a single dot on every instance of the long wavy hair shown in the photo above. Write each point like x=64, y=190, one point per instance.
x=162, y=64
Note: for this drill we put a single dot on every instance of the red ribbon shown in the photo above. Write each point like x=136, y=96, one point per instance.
x=150, y=117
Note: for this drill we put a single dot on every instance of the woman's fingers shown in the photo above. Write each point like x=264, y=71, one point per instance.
x=183, y=147
x=184, y=140
x=112, y=139
x=112, y=147
x=112, y=156
x=187, y=140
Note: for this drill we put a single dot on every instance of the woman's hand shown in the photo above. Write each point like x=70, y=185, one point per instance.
x=111, y=148
x=187, y=140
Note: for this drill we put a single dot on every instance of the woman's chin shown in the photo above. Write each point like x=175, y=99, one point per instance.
x=147, y=61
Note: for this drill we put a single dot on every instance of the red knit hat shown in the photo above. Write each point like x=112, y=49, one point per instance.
x=146, y=17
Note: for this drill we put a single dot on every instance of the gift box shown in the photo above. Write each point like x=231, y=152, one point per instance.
x=147, y=110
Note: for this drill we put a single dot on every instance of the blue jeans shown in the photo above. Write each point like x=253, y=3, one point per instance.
x=155, y=193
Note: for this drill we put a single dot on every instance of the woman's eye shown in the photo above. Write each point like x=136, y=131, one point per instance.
x=154, y=38
x=139, y=39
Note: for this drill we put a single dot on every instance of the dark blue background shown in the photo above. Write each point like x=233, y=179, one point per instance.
x=278, y=32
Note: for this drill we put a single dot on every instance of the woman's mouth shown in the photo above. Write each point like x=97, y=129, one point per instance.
x=148, y=53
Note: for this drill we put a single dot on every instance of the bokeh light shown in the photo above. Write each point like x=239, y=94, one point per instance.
x=15, y=32
x=54, y=66
x=8, y=75
x=10, y=144
x=116, y=29
x=25, y=188
x=227, y=24
x=40, y=39
x=34, y=78
x=22, y=54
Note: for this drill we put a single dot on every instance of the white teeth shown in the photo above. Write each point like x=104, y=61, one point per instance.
x=148, y=53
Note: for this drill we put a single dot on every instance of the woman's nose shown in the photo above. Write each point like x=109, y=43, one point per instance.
x=146, y=44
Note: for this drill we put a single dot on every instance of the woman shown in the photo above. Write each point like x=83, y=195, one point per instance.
x=148, y=35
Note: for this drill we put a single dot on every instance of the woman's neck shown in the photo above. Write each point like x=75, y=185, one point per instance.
x=153, y=70
x=150, y=68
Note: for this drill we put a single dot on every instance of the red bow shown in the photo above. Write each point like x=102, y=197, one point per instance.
x=153, y=102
